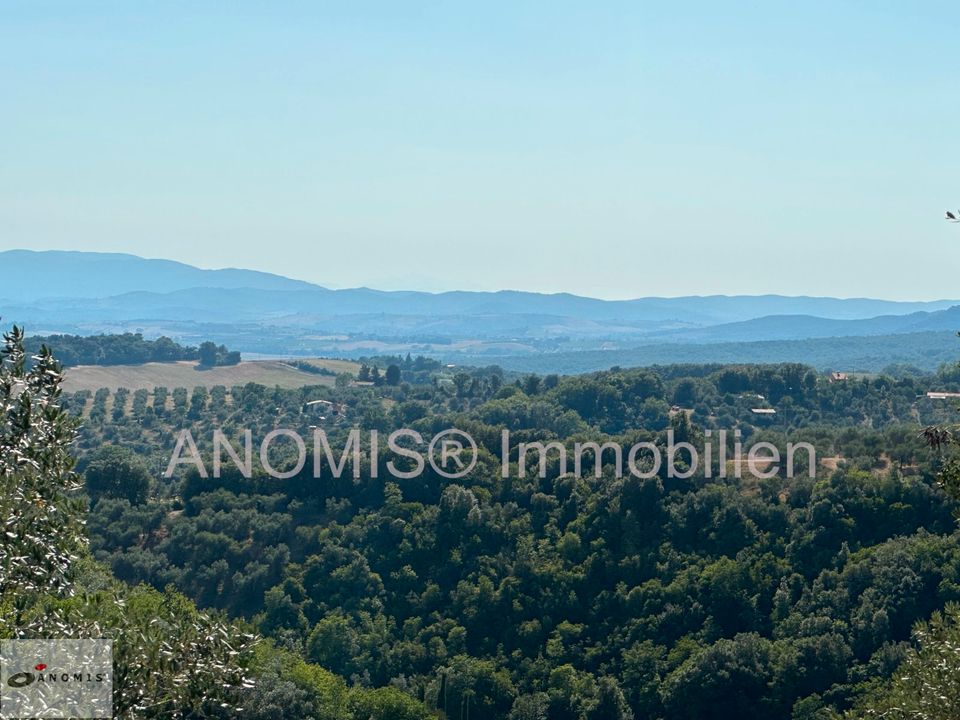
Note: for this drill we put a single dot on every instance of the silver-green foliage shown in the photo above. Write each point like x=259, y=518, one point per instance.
x=927, y=685
x=170, y=661
x=41, y=513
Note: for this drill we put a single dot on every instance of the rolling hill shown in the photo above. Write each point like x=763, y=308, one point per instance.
x=31, y=276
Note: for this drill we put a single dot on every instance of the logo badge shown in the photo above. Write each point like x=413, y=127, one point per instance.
x=56, y=678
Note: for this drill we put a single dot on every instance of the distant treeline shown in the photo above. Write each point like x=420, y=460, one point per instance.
x=891, y=354
x=309, y=367
x=128, y=349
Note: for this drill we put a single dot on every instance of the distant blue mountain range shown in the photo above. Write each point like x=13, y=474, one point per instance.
x=260, y=312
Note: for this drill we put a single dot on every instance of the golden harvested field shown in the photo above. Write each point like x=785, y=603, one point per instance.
x=186, y=374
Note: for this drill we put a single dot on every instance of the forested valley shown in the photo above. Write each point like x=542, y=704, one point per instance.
x=557, y=597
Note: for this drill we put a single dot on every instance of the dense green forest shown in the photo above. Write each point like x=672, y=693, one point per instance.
x=170, y=660
x=560, y=597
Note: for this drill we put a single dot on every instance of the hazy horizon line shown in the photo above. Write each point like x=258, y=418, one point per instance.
x=462, y=290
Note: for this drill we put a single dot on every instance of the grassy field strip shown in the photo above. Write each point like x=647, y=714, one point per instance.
x=187, y=374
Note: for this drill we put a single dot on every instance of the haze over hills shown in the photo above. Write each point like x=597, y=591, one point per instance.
x=70, y=274
x=255, y=312
x=31, y=275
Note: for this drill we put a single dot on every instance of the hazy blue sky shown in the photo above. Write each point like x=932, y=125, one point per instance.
x=611, y=149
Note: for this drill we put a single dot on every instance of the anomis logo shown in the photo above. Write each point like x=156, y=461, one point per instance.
x=67, y=677
x=24, y=678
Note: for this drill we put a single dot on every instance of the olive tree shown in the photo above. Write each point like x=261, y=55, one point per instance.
x=170, y=660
